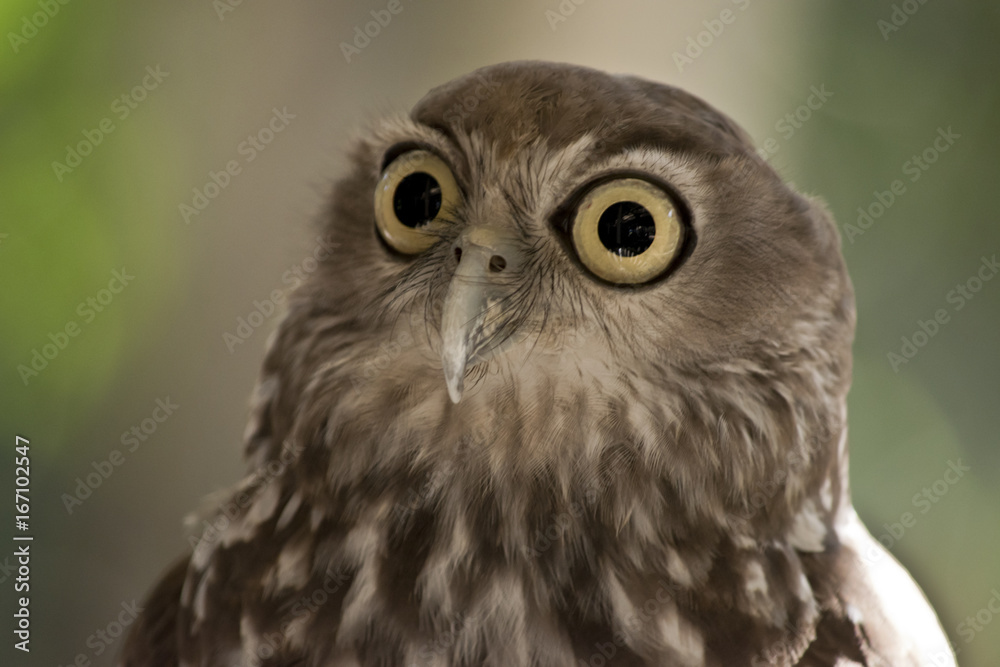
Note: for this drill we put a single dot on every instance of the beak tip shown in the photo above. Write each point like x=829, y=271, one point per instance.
x=455, y=388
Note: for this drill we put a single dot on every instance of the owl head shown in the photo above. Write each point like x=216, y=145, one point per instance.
x=570, y=375
x=545, y=272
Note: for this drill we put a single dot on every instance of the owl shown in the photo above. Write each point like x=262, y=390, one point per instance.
x=567, y=388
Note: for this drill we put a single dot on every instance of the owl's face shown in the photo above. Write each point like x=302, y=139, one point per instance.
x=592, y=254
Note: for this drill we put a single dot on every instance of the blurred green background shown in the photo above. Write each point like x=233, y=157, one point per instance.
x=894, y=77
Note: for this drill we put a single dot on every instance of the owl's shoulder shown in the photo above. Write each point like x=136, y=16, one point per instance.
x=153, y=639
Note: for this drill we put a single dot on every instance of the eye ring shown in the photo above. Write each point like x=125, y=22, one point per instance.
x=627, y=231
x=416, y=193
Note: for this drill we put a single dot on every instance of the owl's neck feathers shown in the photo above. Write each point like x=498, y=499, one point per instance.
x=554, y=476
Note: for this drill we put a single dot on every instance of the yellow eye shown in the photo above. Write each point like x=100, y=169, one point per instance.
x=627, y=231
x=417, y=189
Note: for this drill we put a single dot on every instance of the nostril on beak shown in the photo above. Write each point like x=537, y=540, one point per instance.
x=458, y=254
x=497, y=263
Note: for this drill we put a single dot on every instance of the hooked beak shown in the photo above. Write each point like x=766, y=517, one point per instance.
x=487, y=257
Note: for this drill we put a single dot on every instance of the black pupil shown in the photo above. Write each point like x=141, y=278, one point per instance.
x=626, y=229
x=417, y=199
